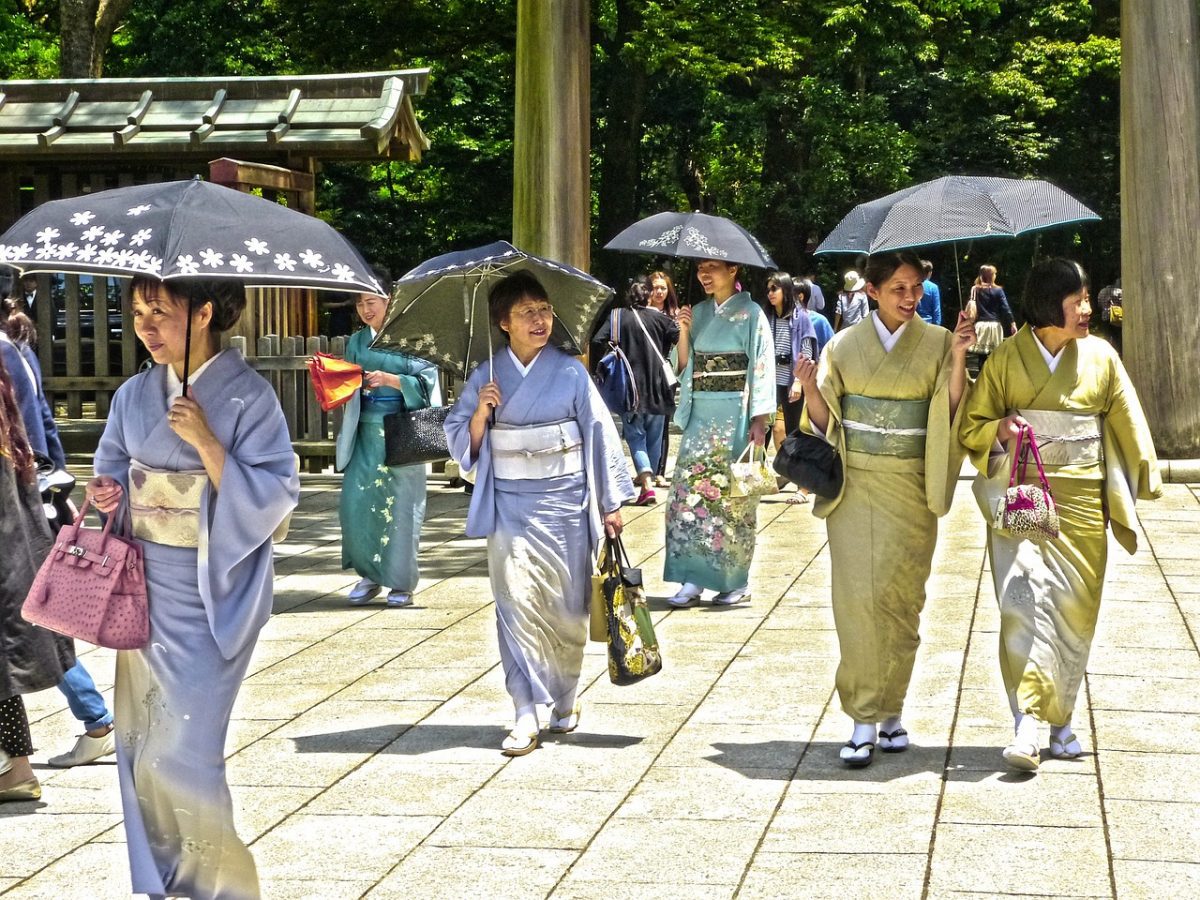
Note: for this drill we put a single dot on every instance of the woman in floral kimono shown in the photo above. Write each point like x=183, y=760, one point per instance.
x=550, y=478
x=206, y=478
x=382, y=507
x=1099, y=457
x=727, y=396
x=886, y=394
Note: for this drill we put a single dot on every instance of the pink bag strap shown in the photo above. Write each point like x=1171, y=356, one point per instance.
x=1032, y=450
x=1017, y=457
x=1025, y=448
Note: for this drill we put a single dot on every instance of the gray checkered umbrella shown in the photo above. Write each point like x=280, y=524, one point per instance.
x=954, y=208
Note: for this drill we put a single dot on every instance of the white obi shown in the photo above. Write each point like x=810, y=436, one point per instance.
x=1065, y=438
x=537, y=451
x=165, y=504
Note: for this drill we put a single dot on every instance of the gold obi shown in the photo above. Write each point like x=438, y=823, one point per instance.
x=885, y=427
x=1065, y=438
x=165, y=504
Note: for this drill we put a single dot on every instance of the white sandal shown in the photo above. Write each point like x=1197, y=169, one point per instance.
x=1023, y=756
x=560, y=724
x=1066, y=748
x=519, y=743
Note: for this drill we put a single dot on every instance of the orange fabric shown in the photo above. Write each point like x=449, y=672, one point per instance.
x=334, y=380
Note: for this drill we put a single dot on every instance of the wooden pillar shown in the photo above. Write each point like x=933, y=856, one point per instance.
x=552, y=138
x=1160, y=216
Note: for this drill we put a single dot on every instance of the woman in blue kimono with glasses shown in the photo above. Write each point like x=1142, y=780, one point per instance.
x=550, y=478
x=207, y=479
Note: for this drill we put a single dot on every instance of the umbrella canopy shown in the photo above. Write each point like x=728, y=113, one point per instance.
x=954, y=208
x=439, y=310
x=693, y=235
x=185, y=230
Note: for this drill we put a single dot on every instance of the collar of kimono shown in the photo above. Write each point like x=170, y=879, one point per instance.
x=1051, y=359
x=889, y=339
x=175, y=384
x=521, y=367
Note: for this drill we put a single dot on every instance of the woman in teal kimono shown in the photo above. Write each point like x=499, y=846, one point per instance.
x=382, y=507
x=727, y=396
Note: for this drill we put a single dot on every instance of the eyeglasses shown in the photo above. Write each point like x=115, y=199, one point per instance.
x=532, y=313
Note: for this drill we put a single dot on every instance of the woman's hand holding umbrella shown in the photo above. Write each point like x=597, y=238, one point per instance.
x=964, y=335
x=818, y=412
x=489, y=399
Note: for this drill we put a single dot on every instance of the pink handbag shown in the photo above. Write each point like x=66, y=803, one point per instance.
x=92, y=587
x=1028, y=511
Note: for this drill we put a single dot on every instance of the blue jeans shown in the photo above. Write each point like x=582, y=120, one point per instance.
x=643, y=434
x=85, y=701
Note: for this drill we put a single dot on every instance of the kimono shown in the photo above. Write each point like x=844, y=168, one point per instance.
x=1049, y=592
x=543, y=533
x=208, y=603
x=710, y=535
x=382, y=507
x=889, y=418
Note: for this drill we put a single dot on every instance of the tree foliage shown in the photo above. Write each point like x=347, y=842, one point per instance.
x=779, y=113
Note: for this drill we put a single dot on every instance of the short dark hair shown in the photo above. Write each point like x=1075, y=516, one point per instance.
x=882, y=266
x=638, y=293
x=785, y=283
x=511, y=289
x=228, y=298
x=804, y=290
x=1050, y=283
x=18, y=326
x=926, y=268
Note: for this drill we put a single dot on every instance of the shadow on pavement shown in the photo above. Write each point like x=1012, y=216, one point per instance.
x=819, y=761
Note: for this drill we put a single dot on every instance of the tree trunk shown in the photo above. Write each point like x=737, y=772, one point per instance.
x=1160, y=216
x=86, y=28
x=620, y=164
x=551, y=132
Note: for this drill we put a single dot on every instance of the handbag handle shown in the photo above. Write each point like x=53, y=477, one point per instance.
x=108, y=522
x=1027, y=446
x=749, y=452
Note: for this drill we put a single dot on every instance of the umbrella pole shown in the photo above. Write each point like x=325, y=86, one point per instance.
x=957, y=276
x=187, y=348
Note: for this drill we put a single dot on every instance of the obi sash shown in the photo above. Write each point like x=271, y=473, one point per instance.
x=885, y=427
x=537, y=451
x=165, y=504
x=1065, y=438
x=720, y=371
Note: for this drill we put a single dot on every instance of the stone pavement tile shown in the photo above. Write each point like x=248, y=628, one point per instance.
x=1141, y=731
x=275, y=761
x=474, y=872
x=88, y=872
x=1133, y=661
x=706, y=624
x=916, y=771
x=396, y=682
x=1149, y=625
x=866, y=823
x=1147, y=693
x=795, y=644
x=244, y=732
x=1024, y=860
x=1145, y=879
x=315, y=621
x=452, y=741
x=338, y=724
x=803, y=618
x=590, y=762
x=692, y=792
x=274, y=701
x=740, y=703
x=267, y=653
x=101, y=796
x=748, y=749
x=500, y=816
x=377, y=641
x=317, y=665
x=685, y=852
x=6, y=883
x=1145, y=831
x=834, y=876
x=575, y=889
x=310, y=847
x=388, y=785
x=311, y=889
x=257, y=809
x=1049, y=799
x=977, y=751
x=34, y=840
x=1151, y=776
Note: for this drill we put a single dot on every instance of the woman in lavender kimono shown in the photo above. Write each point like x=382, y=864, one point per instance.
x=550, y=478
x=382, y=507
x=727, y=395
x=207, y=478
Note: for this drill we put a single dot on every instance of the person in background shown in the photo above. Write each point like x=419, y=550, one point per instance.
x=795, y=338
x=18, y=343
x=382, y=507
x=888, y=395
x=727, y=397
x=821, y=327
x=28, y=295
x=339, y=307
x=550, y=479
x=646, y=337
x=1112, y=312
x=664, y=298
x=853, y=305
x=930, y=307
x=208, y=479
x=994, y=319
x=31, y=658
x=817, y=300
x=1095, y=443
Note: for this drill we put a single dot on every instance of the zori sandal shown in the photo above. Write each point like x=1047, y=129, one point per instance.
x=857, y=756
x=893, y=741
x=519, y=743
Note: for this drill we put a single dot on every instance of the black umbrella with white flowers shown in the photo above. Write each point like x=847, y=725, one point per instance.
x=186, y=230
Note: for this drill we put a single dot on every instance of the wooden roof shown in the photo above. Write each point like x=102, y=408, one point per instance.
x=355, y=116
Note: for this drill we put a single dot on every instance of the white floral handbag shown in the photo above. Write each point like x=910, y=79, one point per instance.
x=749, y=474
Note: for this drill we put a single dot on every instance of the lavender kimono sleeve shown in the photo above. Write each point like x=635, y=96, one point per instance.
x=259, y=488
x=481, y=518
x=112, y=455
x=762, y=363
x=608, y=475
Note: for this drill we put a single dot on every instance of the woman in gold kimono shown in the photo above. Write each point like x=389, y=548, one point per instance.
x=886, y=394
x=1099, y=457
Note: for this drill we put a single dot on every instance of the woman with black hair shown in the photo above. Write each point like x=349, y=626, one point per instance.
x=1099, y=457
x=196, y=453
x=795, y=339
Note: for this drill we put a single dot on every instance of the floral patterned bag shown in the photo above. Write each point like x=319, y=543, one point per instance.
x=633, y=652
x=1027, y=511
x=749, y=474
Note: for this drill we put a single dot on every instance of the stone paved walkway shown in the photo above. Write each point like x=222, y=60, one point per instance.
x=364, y=750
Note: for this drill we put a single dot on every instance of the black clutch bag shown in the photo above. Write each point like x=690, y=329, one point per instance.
x=413, y=436
x=810, y=462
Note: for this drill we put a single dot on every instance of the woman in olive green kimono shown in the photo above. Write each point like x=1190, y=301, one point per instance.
x=1099, y=457
x=886, y=394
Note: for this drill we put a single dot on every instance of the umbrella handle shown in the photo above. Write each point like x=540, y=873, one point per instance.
x=187, y=347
